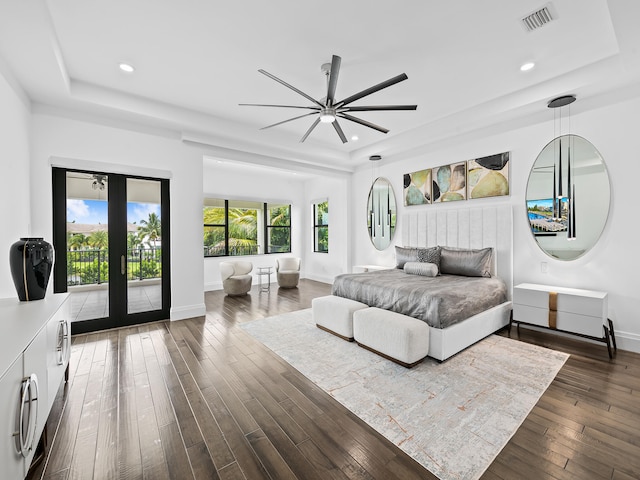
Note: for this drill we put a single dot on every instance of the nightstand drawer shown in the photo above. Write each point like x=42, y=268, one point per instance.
x=579, y=302
x=569, y=322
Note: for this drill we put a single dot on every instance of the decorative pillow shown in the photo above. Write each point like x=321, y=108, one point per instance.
x=430, y=255
x=469, y=263
x=404, y=255
x=421, y=268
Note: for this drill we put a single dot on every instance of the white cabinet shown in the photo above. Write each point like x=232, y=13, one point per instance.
x=11, y=461
x=34, y=355
x=58, y=350
x=570, y=310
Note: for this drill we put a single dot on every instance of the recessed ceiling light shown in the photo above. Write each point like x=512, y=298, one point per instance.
x=527, y=66
x=125, y=67
x=354, y=138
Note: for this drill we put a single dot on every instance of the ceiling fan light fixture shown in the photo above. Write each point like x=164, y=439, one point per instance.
x=328, y=115
x=328, y=108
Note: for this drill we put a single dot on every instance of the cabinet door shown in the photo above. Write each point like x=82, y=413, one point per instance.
x=58, y=351
x=11, y=462
x=35, y=367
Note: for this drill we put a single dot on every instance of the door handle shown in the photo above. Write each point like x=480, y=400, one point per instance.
x=123, y=266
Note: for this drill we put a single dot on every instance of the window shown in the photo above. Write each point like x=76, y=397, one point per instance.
x=215, y=227
x=241, y=227
x=278, y=228
x=321, y=227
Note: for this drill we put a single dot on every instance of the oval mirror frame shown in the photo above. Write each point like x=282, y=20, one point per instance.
x=381, y=213
x=569, y=227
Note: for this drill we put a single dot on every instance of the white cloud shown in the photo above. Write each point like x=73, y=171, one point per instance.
x=76, y=209
x=142, y=211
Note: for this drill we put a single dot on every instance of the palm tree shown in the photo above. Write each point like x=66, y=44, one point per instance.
x=133, y=241
x=151, y=229
x=243, y=230
x=98, y=239
x=76, y=241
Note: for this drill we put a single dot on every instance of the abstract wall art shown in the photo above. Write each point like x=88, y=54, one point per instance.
x=449, y=182
x=417, y=187
x=488, y=176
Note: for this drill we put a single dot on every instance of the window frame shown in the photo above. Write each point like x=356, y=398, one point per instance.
x=263, y=210
x=268, y=226
x=317, y=226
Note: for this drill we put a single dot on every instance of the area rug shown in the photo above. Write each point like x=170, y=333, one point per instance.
x=452, y=417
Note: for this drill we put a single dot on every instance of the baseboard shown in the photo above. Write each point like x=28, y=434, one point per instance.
x=628, y=341
x=209, y=287
x=321, y=278
x=189, y=311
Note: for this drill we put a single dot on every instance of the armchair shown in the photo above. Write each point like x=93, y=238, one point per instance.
x=288, y=272
x=236, y=278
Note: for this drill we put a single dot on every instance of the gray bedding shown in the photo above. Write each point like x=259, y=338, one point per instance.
x=440, y=301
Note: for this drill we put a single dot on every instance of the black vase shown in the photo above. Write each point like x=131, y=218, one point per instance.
x=31, y=261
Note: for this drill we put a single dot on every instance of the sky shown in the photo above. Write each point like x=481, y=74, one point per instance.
x=95, y=211
x=546, y=202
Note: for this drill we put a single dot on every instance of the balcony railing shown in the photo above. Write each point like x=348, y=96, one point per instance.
x=91, y=267
x=218, y=250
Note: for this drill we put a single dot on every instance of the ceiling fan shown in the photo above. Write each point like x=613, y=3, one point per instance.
x=328, y=109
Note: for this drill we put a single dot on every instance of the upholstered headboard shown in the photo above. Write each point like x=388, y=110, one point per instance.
x=464, y=228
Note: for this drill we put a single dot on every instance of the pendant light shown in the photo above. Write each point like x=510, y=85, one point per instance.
x=372, y=213
x=559, y=197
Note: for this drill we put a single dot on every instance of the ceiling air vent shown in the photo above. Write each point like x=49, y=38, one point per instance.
x=537, y=19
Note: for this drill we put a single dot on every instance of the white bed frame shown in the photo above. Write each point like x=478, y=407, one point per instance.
x=466, y=228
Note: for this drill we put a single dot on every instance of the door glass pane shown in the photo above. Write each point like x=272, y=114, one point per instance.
x=144, y=245
x=87, y=245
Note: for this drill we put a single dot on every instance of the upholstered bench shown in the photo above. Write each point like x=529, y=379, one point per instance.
x=403, y=339
x=335, y=315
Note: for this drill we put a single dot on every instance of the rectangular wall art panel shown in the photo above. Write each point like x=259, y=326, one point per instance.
x=417, y=187
x=488, y=176
x=449, y=182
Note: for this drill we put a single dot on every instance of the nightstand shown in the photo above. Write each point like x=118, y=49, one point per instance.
x=568, y=310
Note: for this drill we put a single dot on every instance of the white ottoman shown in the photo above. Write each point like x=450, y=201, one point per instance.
x=335, y=315
x=403, y=339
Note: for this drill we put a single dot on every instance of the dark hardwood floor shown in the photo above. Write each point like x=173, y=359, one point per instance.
x=199, y=398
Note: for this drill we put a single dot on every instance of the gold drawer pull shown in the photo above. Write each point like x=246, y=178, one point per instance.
x=553, y=309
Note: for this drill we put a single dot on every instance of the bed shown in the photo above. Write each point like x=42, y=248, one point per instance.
x=455, y=329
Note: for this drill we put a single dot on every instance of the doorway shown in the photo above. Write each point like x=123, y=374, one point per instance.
x=111, y=238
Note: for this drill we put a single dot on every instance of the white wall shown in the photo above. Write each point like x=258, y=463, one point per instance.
x=323, y=267
x=14, y=181
x=258, y=184
x=124, y=151
x=612, y=265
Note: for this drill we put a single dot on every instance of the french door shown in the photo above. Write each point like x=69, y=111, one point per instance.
x=111, y=238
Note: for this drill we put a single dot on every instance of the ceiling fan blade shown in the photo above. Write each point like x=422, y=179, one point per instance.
x=370, y=90
x=282, y=106
x=339, y=130
x=289, y=120
x=291, y=87
x=304, y=137
x=363, y=122
x=378, y=107
x=333, y=79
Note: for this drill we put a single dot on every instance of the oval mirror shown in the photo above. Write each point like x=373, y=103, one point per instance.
x=381, y=213
x=568, y=197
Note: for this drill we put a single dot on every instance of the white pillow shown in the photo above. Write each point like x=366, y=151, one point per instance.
x=421, y=268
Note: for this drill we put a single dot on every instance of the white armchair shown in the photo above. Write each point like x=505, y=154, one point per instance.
x=288, y=271
x=236, y=278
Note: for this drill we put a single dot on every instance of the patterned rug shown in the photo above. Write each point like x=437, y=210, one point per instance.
x=452, y=417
